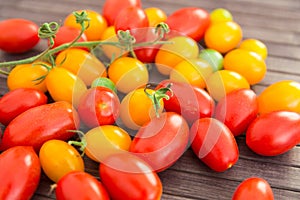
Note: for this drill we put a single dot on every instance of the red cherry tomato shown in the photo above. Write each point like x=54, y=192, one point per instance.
x=18, y=35
x=237, y=110
x=274, y=133
x=125, y=176
x=214, y=144
x=190, y=21
x=189, y=101
x=253, y=188
x=66, y=34
x=39, y=124
x=162, y=141
x=111, y=8
x=70, y=187
x=19, y=100
x=20, y=173
x=99, y=106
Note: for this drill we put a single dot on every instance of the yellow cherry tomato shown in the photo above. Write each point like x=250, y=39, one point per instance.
x=97, y=24
x=137, y=108
x=223, y=36
x=106, y=140
x=58, y=158
x=63, y=85
x=220, y=15
x=282, y=95
x=193, y=71
x=256, y=46
x=128, y=74
x=247, y=63
x=155, y=16
x=222, y=82
x=111, y=51
x=28, y=76
x=170, y=54
x=81, y=63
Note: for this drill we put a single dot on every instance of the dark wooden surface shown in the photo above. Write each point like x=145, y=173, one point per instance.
x=275, y=22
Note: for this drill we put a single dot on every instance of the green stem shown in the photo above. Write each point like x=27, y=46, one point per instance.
x=81, y=144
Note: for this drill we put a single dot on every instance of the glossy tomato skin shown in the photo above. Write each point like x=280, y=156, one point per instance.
x=20, y=173
x=67, y=34
x=189, y=101
x=237, y=110
x=135, y=178
x=162, y=141
x=70, y=187
x=274, y=133
x=190, y=21
x=214, y=144
x=99, y=106
x=19, y=100
x=39, y=124
x=253, y=188
x=18, y=35
x=111, y=8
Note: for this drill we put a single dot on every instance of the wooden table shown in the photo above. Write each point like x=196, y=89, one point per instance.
x=275, y=22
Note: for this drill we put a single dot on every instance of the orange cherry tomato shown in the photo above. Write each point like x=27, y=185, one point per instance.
x=155, y=16
x=256, y=46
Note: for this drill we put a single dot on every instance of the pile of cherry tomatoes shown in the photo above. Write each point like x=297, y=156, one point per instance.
x=134, y=127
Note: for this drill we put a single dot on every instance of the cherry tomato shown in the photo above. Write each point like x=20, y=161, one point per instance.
x=237, y=110
x=28, y=76
x=70, y=187
x=20, y=173
x=274, y=133
x=104, y=82
x=224, y=81
x=223, y=36
x=189, y=101
x=287, y=90
x=81, y=63
x=66, y=34
x=135, y=178
x=193, y=71
x=155, y=16
x=253, y=188
x=42, y=123
x=256, y=46
x=170, y=54
x=19, y=100
x=18, y=35
x=106, y=140
x=98, y=106
x=137, y=108
x=58, y=158
x=112, y=8
x=161, y=141
x=213, y=57
x=247, y=63
x=191, y=21
x=220, y=15
x=214, y=144
x=97, y=24
x=128, y=74
x=63, y=85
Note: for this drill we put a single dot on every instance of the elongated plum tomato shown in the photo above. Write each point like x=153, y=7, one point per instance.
x=70, y=187
x=281, y=135
x=111, y=8
x=190, y=21
x=289, y=93
x=20, y=173
x=161, y=141
x=49, y=121
x=18, y=35
x=237, y=110
x=136, y=179
x=58, y=158
x=214, y=144
x=99, y=106
x=253, y=188
x=19, y=100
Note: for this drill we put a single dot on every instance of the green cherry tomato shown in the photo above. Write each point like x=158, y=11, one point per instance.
x=104, y=82
x=220, y=15
x=213, y=57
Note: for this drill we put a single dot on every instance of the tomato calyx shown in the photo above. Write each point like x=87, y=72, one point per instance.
x=82, y=143
x=158, y=95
